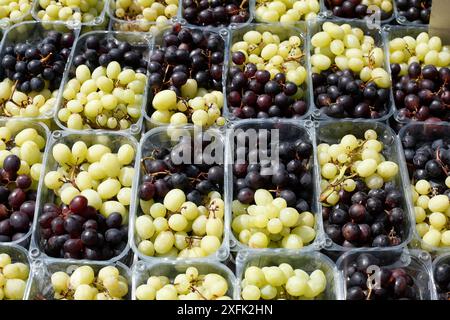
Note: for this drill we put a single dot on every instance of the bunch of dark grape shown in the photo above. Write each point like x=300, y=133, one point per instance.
x=79, y=231
x=215, y=13
x=417, y=11
x=341, y=94
x=423, y=93
x=394, y=283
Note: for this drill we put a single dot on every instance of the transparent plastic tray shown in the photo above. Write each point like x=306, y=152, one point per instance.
x=284, y=32
x=328, y=13
x=40, y=287
x=142, y=271
x=425, y=132
x=158, y=42
x=18, y=254
x=133, y=25
x=16, y=125
x=402, y=19
x=416, y=263
x=289, y=131
x=114, y=140
x=142, y=41
x=98, y=20
x=250, y=9
x=376, y=33
x=33, y=31
x=158, y=138
x=331, y=132
x=443, y=258
x=307, y=261
x=390, y=33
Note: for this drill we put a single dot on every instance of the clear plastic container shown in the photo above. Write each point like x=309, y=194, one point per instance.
x=376, y=19
x=98, y=20
x=250, y=10
x=140, y=41
x=113, y=140
x=159, y=138
x=158, y=42
x=16, y=125
x=416, y=263
x=32, y=32
x=443, y=258
x=40, y=286
x=289, y=131
x=402, y=19
x=390, y=33
x=315, y=27
x=423, y=132
x=142, y=271
x=18, y=254
x=284, y=32
x=331, y=132
x=133, y=25
x=307, y=261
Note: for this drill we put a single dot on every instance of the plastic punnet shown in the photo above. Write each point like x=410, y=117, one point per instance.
x=114, y=140
x=159, y=138
x=331, y=132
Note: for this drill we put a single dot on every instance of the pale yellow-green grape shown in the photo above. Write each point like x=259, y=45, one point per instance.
x=352, y=158
x=108, y=98
x=205, y=107
x=15, y=11
x=269, y=223
x=190, y=285
x=84, y=11
x=13, y=278
x=282, y=282
x=286, y=11
x=95, y=172
x=144, y=15
x=348, y=48
x=27, y=144
x=424, y=49
x=15, y=103
x=180, y=228
x=85, y=284
x=432, y=213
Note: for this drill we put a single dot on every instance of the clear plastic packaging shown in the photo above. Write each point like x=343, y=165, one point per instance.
x=250, y=9
x=158, y=42
x=142, y=271
x=98, y=20
x=136, y=24
x=16, y=125
x=416, y=263
x=33, y=31
x=284, y=32
x=289, y=131
x=376, y=33
x=18, y=254
x=331, y=132
x=402, y=19
x=442, y=258
x=140, y=41
x=40, y=286
x=423, y=132
x=307, y=261
x=113, y=140
x=376, y=19
x=159, y=138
